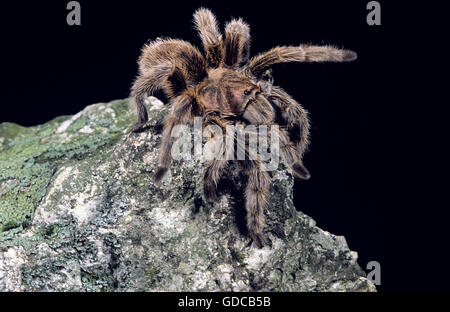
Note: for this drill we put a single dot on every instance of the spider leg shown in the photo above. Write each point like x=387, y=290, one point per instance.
x=181, y=113
x=257, y=188
x=290, y=154
x=166, y=64
x=206, y=25
x=215, y=166
x=296, y=141
x=163, y=76
x=302, y=53
x=259, y=112
x=145, y=84
x=237, y=42
x=256, y=193
x=295, y=116
x=212, y=175
x=179, y=53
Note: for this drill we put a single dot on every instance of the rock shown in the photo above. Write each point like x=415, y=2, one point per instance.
x=79, y=212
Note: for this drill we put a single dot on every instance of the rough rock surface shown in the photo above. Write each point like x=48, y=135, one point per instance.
x=79, y=212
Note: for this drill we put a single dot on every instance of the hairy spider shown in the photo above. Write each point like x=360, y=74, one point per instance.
x=225, y=87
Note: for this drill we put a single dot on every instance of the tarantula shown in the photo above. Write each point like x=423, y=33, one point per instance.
x=225, y=87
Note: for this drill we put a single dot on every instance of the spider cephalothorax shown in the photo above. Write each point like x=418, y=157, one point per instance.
x=225, y=87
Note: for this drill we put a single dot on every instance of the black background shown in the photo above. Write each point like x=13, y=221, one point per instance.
x=379, y=149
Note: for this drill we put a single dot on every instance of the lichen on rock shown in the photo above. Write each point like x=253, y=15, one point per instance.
x=79, y=212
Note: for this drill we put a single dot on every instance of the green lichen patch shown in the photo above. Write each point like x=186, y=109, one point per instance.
x=30, y=155
x=11, y=131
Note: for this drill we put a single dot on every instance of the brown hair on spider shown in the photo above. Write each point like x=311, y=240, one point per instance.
x=225, y=86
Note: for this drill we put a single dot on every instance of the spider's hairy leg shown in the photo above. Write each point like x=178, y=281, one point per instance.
x=237, y=42
x=143, y=85
x=297, y=122
x=302, y=53
x=289, y=153
x=256, y=194
x=181, y=54
x=163, y=76
x=138, y=108
x=256, y=191
x=206, y=25
x=260, y=111
x=215, y=166
x=212, y=175
x=181, y=113
x=295, y=117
